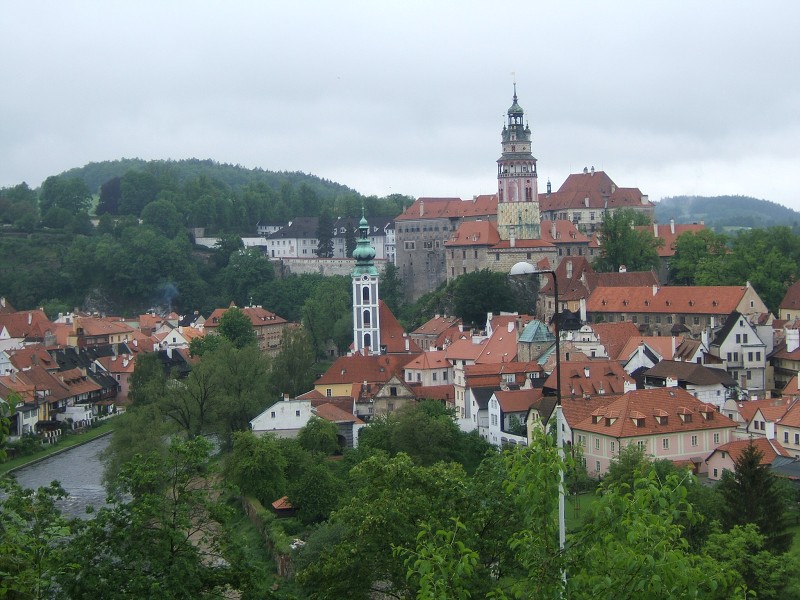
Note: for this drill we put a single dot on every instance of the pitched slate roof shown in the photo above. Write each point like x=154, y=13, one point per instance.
x=715, y=300
x=691, y=373
x=635, y=414
x=301, y=227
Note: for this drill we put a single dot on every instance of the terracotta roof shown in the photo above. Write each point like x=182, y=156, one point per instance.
x=634, y=414
x=518, y=400
x=664, y=346
x=791, y=301
x=450, y=335
x=715, y=300
x=792, y=388
x=474, y=233
x=344, y=403
x=259, y=317
x=393, y=336
x=445, y=208
x=5, y=307
x=577, y=409
x=670, y=234
x=791, y=417
x=34, y=354
x=518, y=243
x=282, y=504
x=687, y=349
x=569, y=287
x=357, y=368
x=437, y=325
x=605, y=377
x=333, y=413
x=768, y=448
x=430, y=360
x=614, y=336
x=772, y=408
x=118, y=364
x=445, y=393
x=592, y=190
x=625, y=279
x=566, y=232
x=30, y=324
x=77, y=382
x=464, y=349
x=491, y=374
x=99, y=326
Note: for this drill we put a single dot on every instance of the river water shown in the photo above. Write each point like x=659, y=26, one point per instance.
x=79, y=470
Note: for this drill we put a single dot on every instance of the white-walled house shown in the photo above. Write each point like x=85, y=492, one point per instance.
x=724, y=458
x=743, y=353
x=284, y=418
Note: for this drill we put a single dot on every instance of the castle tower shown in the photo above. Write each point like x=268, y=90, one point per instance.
x=366, y=324
x=517, y=188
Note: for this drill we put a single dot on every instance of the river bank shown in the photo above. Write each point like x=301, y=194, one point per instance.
x=66, y=443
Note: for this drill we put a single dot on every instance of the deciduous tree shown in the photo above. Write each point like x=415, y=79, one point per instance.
x=623, y=245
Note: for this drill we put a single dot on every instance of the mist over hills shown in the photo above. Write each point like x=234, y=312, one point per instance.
x=721, y=212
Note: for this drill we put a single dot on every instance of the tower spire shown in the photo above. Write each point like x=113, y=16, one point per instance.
x=366, y=313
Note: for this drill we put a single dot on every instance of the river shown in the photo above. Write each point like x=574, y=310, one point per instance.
x=79, y=470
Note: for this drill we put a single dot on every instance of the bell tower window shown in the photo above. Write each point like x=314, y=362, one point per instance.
x=365, y=293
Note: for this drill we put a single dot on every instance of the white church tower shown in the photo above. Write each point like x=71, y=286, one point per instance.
x=366, y=318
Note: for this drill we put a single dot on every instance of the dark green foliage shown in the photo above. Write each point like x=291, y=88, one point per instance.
x=319, y=436
x=257, y=466
x=622, y=245
x=291, y=371
x=328, y=314
x=391, y=289
x=752, y=494
x=67, y=193
x=315, y=493
x=325, y=235
x=236, y=327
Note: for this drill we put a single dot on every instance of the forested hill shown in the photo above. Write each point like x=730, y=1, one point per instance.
x=236, y=177
x=719, y=212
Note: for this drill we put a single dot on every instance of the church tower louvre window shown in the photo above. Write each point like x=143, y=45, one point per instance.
x=366, y=318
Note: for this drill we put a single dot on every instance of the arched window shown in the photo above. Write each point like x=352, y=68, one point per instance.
x=367, y=318
x=365, y=293
x=367, y=340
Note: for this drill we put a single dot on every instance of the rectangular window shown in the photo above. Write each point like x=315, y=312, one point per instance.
x=634, y=319
x=750, y=356
x=475, y=254
x=696, y=320
x=758, y=356
x=496, y=256
x=581, y=440
x=597, y=466
x=393, y=391
x=665, y=443
x=410, y=245
x=434, y=375
x=272, y=414
x=716, y=438
x=444, y=375
x=597, y=443
x=744, y=338
x=297, y=413
x=390, y=406
x=642, y=445
x=716, y=473
x=694, y=440
x=749, y=375
x=328, y=392
x=669, y=319
x=785, y=437
x=613, y=447
x=427, y=245
x=796, y=439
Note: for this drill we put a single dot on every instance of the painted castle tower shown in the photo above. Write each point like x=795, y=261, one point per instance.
x=366, y=316
x=518, y=214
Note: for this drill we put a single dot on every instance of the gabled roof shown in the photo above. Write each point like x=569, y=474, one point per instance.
x=605, y=377
x=464, y=349
x=301, y=227
x=334, y=414
x=614, y=336
x=393, y=336
x=358, y=368
x=773, y=409
x=791, y=301
x=437, y=325
x=593, y=190
x=474, y=233
x=536, y=332
x=664, y=346
x=669, y=234
x=690, y=372
x=518, y=400
x=25, y=324
x=445, y=393
x=34, y=354
x=715, y=300
x=792, y=388
x=624, y=279
x=562, y=231
x=5, y=306
x=570, y=273
x=790, y=416
x=429, y=360
x=770, y=449
x=259, y=316
x=100, y=326
x=446, y=208
x=724, y=331
x=656, y=411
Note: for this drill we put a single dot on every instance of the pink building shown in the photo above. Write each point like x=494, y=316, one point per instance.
x=668, y=423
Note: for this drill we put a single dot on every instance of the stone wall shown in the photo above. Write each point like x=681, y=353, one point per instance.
x=321, y=266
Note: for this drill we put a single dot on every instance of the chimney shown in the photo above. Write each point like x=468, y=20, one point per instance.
x=421, y=207
x=586, y=372
x=655, y=289
x=512, y=241
x=553, y=229
x=673, y=348
x=792, y=339
x=510, y=326
x=407, y=347
x=592, y=169
x=30, y=318
x=548, y=195
x=672, y=226
x=655, y=230
x=623, y=269
x=585, y=170
x=583, y=309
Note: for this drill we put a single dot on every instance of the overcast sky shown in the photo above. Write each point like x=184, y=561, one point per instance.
x=410, y=97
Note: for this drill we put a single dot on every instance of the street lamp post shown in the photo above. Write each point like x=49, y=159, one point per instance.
x=523, y=268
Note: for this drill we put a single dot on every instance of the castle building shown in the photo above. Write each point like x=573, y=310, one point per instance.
x=366, y=313
x=517, y=191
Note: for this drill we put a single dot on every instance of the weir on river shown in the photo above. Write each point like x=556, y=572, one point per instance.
x=80, y=472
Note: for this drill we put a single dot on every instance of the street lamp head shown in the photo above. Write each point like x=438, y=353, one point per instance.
x=522, y=268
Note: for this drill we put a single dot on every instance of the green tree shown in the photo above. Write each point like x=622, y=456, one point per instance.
x=328, y=314
x=33, y=540
x=148, y=382
x=164, y=217
x=349, y=241
x=391, y=288
x=226, y=245
x=623, y=245
x=194, y=404
x=69, y=194
x=753, y=494
x=315, y=494
x=481, y=292
x=246, y=275
x=137, y=190
x=694, y=252
x=325, y=235
x=160, y=537
x=6, y=413
x=291, y=371
x=235, y=325
x=256, y=465
x=319, y=436
x=110, y=195
x=140, y=430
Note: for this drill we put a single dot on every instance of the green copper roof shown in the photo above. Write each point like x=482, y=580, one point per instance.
x=536, y=331
x=364, y=253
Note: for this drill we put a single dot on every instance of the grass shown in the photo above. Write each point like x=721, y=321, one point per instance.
x=67, y=441
x=576, y=507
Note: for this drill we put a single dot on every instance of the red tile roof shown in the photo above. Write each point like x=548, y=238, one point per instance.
x=506, y=244
x=445, y=393
x=34, y=354
x=770, y=449
x=625, y=279
x=592, y=190
x=474, y=233
x=634, y=414
x=614, y=336
x=604, y=377
x=99, y=326
x=663, y=345
x=437, y=325
x=714, y=300
x=358, y=368
x=791, y=300
x=670, y=234
x=393, y=336
x=445, y=208
x=333, y=413
x=259, y=317
x=25, y=324
x=517, y=400
x=429, y=360
x=562, y=231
